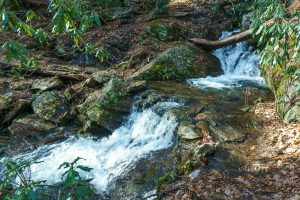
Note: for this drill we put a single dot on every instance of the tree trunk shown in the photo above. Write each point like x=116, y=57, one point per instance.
x=210, y=45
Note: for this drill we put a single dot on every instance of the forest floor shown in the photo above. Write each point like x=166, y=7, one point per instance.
x=274, y=173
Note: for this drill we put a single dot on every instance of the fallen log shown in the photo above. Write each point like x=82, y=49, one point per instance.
x=211, y=45
x=71, y=72
x=242, y=36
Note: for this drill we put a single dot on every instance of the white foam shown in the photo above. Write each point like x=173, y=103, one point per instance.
x=239, y=63
x=109, y=157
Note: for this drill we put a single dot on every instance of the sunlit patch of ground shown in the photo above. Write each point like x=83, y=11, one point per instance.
x=273, y=174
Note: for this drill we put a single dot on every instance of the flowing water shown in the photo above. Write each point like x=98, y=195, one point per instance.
x=240, y=66
x=148, y=131
x=143, y=133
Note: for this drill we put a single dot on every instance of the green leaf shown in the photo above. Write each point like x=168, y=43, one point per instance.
x=30, y=15
x=84, y=168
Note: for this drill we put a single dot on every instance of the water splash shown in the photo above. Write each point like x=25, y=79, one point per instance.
x=240, y=66
x=143, y=133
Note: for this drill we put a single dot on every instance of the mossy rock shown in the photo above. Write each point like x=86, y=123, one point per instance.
x=164, y=31
x=118, y=13
x=286, y=88
x=179, y=63
x=107, y=106
x=51, y=106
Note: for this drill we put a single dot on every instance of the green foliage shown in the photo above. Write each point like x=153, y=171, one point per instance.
x=110, y=3
x=279, y=38
x=74, y=186
x=164, y=31
x=216, y=8
x=72, y=17
x=17, y=184
x=241, y=8
x=166, y=179
x=15, y=51
x=161, y=7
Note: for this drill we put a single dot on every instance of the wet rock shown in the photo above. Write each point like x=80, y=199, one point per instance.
x=103, y=76
x=204, y=150
x=137, y=86
x=147, y=99
x=118, y=13
x=189, y=131
x=227, y=133
x=106, y=107
x=46, y=84
x=203, y=126
x=32, y=127
x=179, y=63
x=51, y=106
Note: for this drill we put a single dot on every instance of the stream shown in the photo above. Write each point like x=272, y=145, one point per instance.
x=147, y=136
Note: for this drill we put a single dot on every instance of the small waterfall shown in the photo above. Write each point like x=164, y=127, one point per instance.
x=240, y=66
x=110, y=157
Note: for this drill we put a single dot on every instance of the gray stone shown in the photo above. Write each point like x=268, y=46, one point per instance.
x=32, y=126
x=103, y=76
x=46, y=84
x=118, y=13
x=227, y=133
x=204, y=150
x=137, y=86
x=189, y=131
x=51, y=106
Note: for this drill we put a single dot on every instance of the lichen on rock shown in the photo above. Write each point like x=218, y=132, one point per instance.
x=106, y=106
x=51, y=106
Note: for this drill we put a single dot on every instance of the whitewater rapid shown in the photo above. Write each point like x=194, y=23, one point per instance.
x=143, y=133
x=239, y=63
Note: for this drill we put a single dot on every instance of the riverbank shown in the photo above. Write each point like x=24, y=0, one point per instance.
x=271, y=173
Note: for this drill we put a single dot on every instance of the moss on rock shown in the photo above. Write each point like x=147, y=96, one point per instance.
x=164, y=31
x=107, y=106
x=286, y=88
x=179, y=63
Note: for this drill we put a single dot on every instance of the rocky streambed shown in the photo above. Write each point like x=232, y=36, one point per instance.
x=157, y=112
x=133, y=131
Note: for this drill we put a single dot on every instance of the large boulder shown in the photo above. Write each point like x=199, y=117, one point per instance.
x=289, y=93
x=286, y=89
x=106, y=107
x=51, y=106
x=179, y=63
